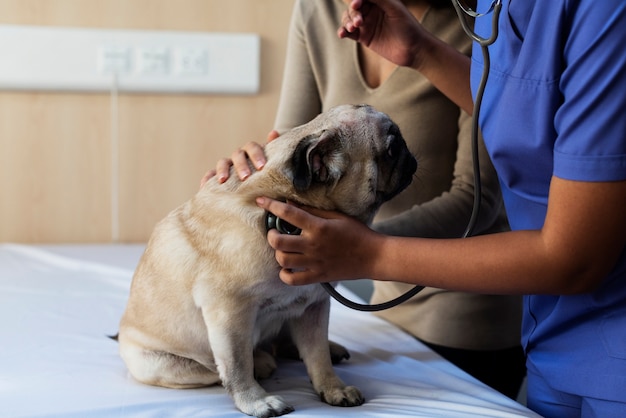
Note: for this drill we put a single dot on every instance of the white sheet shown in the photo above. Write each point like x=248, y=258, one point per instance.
x=59, y=303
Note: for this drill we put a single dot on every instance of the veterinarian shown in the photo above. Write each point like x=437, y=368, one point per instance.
x=478, y=333
x=554, y=122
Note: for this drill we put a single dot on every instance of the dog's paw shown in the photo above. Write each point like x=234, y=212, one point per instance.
x=346, y=396
x=269, y=406
x=264, y=364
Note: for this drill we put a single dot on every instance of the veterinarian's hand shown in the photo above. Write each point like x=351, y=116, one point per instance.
x=239, y=159
x=331, y=247
x=387, y=27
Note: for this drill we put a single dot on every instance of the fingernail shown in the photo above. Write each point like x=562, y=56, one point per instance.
x=260, y=201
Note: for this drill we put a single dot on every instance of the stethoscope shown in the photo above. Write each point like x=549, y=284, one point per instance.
x=463, y=11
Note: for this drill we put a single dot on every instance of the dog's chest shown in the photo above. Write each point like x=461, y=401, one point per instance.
x=288, y=302
x=277, y=306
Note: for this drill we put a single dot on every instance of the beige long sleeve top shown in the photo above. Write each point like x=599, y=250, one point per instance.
x=322, y=71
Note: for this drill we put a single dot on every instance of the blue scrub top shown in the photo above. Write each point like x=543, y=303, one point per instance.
x=555, y=105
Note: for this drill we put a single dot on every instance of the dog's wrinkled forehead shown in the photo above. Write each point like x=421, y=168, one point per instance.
x=355, y=116
x=358, y=122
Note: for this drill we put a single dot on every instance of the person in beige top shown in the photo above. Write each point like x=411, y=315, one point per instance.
x=478, y=333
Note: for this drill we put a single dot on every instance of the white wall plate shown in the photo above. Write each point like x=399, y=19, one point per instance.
x=75, y=59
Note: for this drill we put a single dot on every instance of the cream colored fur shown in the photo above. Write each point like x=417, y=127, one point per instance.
x=206, y=291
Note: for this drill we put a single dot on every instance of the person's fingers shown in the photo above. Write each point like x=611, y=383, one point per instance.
x=222, y=169
x=256, y=154
x=351, y=19
x=288, y=212
x=239, y=160
x=296, y=277
x=287, y=247
x=209, y=174
x=272, y=135
x=251, y=152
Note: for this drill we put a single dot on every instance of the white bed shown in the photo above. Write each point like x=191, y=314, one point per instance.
x=59, y=303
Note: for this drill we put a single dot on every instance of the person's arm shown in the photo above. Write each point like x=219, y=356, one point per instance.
x=389, y=29
x=580, y=242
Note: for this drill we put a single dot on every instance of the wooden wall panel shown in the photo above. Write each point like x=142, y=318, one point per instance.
x=54, y=168
x=55, y=148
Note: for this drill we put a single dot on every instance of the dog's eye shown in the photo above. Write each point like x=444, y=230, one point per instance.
x=393, y=146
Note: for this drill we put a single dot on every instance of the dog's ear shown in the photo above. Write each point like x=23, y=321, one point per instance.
x=316, y=160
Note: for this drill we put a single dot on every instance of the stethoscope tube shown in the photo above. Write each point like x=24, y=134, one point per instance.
x=462, y=12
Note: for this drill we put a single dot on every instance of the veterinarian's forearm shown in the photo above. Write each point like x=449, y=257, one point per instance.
x=484, y=264
x=448, y=70
x=566, y=256
x=488, y=264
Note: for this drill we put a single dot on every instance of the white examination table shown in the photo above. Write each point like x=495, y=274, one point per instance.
x=59, y=303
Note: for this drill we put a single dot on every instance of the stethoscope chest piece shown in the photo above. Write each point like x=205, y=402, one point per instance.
x=274, y=222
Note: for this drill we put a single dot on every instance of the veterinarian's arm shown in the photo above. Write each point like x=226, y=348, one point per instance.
x=390, y=30
x=582, y=238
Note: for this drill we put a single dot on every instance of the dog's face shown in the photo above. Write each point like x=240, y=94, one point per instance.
x=351, y=158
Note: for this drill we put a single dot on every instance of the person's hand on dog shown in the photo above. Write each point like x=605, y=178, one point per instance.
x=319, y=254
x=250, y=152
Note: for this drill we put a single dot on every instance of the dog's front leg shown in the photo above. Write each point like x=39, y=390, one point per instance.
x=230, y=330
x=310, y=334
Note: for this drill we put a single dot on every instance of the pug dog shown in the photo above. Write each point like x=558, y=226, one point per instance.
x=206, y=291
